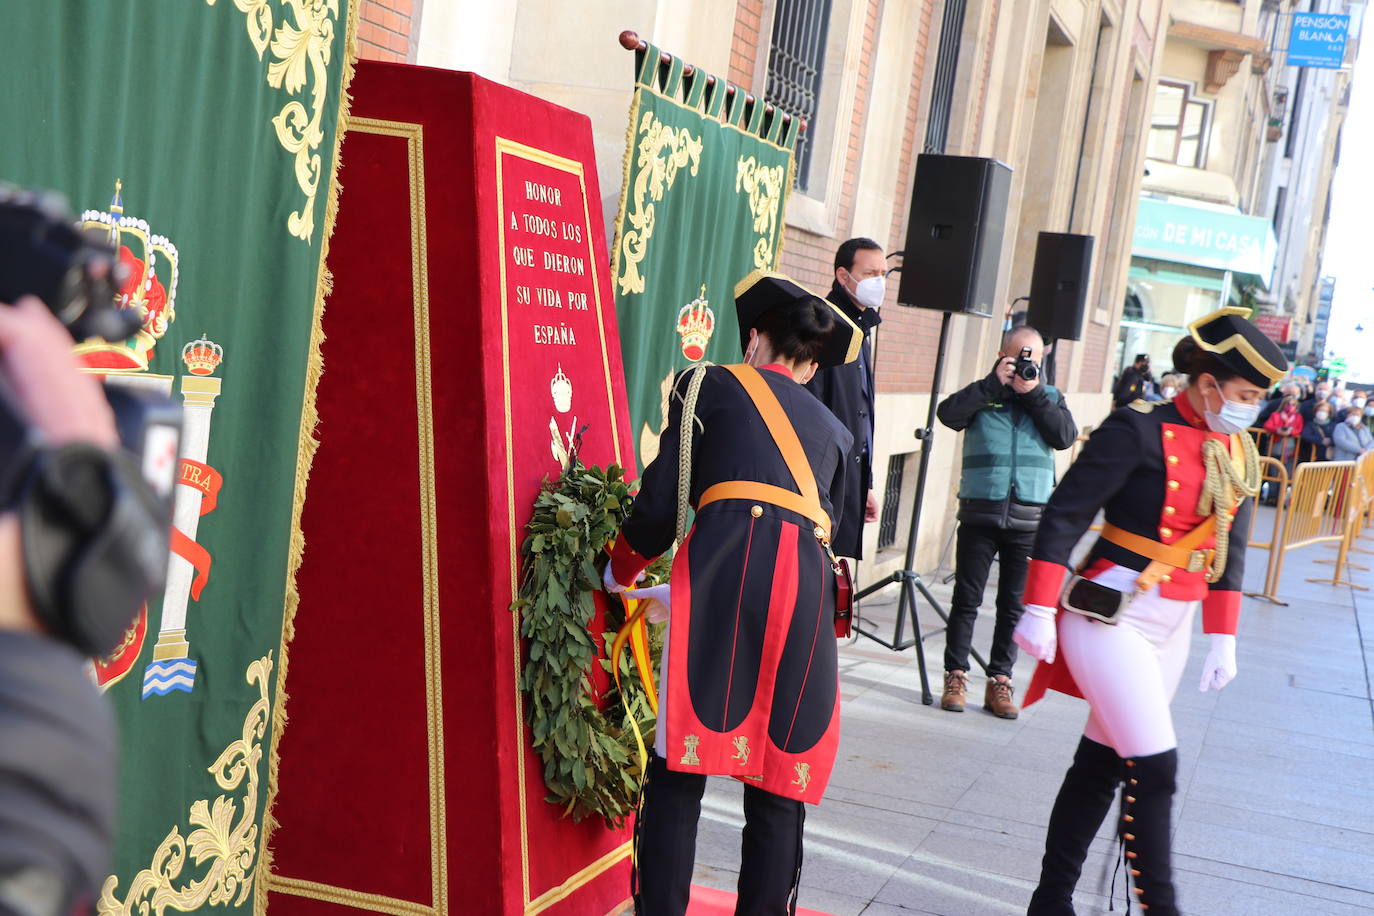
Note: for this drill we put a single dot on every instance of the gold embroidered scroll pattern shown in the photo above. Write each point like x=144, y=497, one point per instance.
x=301, y=54
x=764, y=186
x=228, y=847
x=662, y=151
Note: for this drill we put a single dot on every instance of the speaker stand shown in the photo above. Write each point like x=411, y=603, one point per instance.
x=907, y=578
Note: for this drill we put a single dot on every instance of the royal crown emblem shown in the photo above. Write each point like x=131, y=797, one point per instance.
x=202, y=356
x=560, y=386
x=695, y=324
x=149, y=262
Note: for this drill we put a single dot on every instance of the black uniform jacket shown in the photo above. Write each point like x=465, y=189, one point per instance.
x=1143, y=465
x=751, y=681
x=848, y=391
x=1130, y=386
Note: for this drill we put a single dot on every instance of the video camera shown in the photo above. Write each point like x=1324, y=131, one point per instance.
x=95, y=524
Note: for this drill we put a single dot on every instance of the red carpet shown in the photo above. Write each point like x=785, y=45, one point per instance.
x=708, y=901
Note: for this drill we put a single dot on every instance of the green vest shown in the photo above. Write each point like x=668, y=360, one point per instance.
x=1005, y=455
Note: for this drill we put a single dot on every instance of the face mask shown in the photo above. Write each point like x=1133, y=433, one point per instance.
x=1369, y=410
x=1358, y=402
x=1234, y=416
x=1354, y=419
x=1322, y=416
x=1337, y=403
x=869, y=293
x=1168, y=391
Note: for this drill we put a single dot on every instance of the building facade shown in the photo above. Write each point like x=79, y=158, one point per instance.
x=1242, y=148
x=1057, y=89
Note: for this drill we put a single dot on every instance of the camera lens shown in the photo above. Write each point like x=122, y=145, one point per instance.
x=1028, y=371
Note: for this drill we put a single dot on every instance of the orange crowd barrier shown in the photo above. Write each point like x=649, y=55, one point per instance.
x=1322, y=506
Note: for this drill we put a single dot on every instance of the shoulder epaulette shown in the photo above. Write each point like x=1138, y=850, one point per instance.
x=1143, y=406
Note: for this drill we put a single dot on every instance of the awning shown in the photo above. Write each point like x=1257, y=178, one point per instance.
x=1206, y=237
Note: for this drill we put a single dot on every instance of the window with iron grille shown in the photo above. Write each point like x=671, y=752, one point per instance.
x=892, y=501
x=795, y=61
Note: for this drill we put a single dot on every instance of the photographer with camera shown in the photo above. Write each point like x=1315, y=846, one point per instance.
x=1013, y=424
x=83, y=543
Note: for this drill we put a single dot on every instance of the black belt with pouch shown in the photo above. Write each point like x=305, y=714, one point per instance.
x=1092, y=599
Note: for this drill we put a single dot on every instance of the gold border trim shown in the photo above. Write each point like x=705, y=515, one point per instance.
x=578, y=879
x=413, y=134
x=328, y=893
x=505, y=147
x=306, y=446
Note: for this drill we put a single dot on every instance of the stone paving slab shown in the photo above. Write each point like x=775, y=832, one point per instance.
x=943, y=814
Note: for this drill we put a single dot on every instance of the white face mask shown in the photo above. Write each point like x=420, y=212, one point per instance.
x=1358, y=402
x=1168, y=391
x=1369, y=410
x=1322, y=416
x=1336, y=403
x=869, y=293
x=1354, y=419
x=1234, y=416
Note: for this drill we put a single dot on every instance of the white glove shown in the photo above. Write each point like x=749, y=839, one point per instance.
x=1220, y=666
x=1035, y=632
x=609, y=582
x=659, y=598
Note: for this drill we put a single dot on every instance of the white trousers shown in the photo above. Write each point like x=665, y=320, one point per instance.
x=1129, y=672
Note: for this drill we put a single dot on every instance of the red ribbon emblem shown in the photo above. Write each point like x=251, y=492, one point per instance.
x=207, y=481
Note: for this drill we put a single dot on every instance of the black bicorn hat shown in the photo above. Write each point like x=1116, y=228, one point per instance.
x=764, y=290
x=1240, y=346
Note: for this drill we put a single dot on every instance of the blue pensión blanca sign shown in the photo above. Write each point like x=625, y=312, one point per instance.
x=1318, y=40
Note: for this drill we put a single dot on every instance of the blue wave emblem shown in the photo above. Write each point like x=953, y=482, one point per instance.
x=162, y=677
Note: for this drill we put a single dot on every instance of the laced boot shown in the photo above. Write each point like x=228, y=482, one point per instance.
x=1146, y=804
x=956, y=691
x=1083, y=802
x=997, y=698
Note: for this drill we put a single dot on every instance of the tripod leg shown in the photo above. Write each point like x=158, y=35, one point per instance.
x=926, y=697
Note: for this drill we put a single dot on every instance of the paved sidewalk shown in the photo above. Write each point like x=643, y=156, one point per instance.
x=932, y=812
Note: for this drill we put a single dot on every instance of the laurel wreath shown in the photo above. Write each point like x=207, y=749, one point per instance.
x=583, y=736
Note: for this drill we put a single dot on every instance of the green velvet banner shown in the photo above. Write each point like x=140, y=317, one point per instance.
x=706, y=182
x=201, y=136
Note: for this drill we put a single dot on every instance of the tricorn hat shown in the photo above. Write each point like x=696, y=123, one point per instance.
x=1240, y=346
x=764, y=290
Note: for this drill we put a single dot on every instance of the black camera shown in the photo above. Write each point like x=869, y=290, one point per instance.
x=75, y=273
x=95, y=524
x=1025, y=366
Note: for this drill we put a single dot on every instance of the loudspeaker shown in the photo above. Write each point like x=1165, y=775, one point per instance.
x=1059, y=285
x=954, y=234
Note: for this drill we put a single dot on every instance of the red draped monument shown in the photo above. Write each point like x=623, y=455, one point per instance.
x=470, y=333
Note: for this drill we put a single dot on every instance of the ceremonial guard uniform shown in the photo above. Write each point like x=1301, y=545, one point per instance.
x=750, y=681
x=1174, y=491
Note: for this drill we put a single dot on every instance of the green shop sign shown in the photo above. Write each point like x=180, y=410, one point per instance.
x=1207, y=238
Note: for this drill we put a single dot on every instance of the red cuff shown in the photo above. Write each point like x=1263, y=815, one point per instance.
x=1043, y=583
x=1221, y=612
x=626, y=564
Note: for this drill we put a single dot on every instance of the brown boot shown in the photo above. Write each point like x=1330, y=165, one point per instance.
x=956, y=686
x=997, y=698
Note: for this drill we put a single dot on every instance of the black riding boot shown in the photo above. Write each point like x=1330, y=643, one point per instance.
x=1145, y=818
x=1079, y=809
